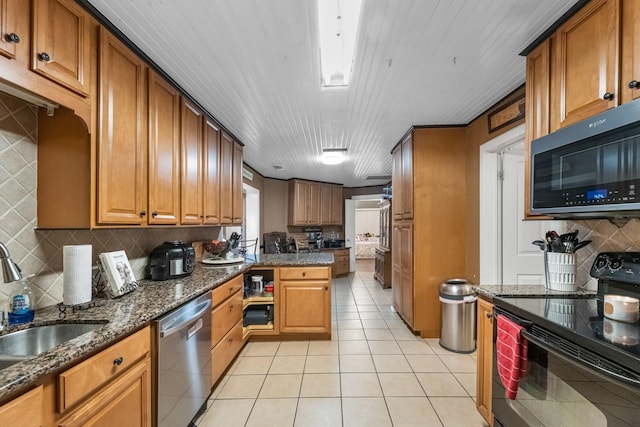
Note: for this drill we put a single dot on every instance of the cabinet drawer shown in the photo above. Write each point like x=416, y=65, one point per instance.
x=225, y=316
x=225, y=290
x=341, y=258
x=304, y=273
x=341, y=267
x=84, y=378
x=224, y=352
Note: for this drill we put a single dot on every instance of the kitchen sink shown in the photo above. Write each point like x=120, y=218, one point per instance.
x=27, y=343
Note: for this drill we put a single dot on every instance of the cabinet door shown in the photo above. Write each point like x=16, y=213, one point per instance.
x=326, y=207
x=396, y=269
x=122, y=142
x=484, y=359
x=23, y=411
x=13, y=26
x=313, y=203
x=191, y=171
x=236, y=176
x=396, y=182
x=61, y=43
x=585, y=64
x=305, y=306
x=630, y=53
x=164, y=151
x=336, y=205
x=226, y=178
x=407, y=178
x=406, y=255
x=211, y=169
x=298, y=194
x=125, y=402
x=537, y=107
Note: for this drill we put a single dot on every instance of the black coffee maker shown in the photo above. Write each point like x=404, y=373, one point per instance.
x=171, y=260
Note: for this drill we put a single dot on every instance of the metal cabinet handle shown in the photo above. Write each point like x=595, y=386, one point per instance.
x=608, y=96
x=13, y=38
x=489, y=315
x=154, y=214
x=44, y=56
x=118, y=361
x=143, y=214
x=634, y=84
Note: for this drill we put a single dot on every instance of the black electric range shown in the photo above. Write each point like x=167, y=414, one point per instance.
x=579, y=318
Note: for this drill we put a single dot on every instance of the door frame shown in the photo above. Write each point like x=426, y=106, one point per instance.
x=490, y=205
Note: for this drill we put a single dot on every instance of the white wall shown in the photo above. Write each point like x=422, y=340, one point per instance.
x=368, y=221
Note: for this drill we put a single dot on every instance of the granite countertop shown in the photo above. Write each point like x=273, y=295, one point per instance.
x=131, y=312
x=522, y=291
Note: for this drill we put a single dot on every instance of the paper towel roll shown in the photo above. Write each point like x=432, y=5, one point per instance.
x=76, y=274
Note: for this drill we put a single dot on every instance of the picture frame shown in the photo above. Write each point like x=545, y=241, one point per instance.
x=506, y=114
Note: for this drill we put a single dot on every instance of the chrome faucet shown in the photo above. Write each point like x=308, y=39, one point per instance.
x=10, y=270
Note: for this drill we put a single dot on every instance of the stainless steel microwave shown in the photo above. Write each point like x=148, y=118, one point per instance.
x=589, y=169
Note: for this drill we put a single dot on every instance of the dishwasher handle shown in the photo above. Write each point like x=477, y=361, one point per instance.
x=201, y=310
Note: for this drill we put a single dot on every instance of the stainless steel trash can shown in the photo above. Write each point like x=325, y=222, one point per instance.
x=458, y=307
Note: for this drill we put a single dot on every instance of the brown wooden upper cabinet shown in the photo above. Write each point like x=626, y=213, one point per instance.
x=585, y=65
x=330, y=204
x=211, y=173
x=191, y=161
x=122, y=135
x=314, y=203
x=13, y=26
x=402, y=179
x=630, y=53
x=164, y=152
x=230, y=180
x=61, y=43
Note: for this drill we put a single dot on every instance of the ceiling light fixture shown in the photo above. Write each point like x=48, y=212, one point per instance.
x=333, y=156
x=338, y=20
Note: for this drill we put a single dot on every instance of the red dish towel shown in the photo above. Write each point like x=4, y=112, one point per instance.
x=511, y=355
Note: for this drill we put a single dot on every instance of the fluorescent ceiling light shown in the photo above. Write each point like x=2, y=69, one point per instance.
x=338, y=21
x=333, y=156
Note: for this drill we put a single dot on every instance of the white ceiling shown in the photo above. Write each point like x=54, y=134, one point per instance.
x=254, y=65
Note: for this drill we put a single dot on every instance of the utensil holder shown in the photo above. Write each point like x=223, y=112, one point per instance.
x=560, y=271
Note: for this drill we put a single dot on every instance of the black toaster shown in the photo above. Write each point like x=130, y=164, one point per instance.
x=171, y=260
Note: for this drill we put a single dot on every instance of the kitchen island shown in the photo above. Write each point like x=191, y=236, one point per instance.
x=131, y=312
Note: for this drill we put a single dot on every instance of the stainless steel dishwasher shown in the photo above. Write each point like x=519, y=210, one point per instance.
x=184, y=362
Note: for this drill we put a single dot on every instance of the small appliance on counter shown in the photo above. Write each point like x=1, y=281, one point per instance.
x=171, y=260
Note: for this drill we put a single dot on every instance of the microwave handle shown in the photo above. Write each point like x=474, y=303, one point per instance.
x=563, y=354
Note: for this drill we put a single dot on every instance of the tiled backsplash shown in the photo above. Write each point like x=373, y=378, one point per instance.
x=39, y=252
x=606, y=237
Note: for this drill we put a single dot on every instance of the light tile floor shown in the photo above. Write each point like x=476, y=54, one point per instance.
x=374, y=372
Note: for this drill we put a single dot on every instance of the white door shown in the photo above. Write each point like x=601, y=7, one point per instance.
x=506, y=253
x=522, y=262
x=350, y=231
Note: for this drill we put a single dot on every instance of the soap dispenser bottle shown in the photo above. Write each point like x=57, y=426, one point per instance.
x=21, y=308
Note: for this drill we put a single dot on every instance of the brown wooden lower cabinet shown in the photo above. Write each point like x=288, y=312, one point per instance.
x=225, y=351
x=24, y=410
x=305, y=300
x=125, y=402
x=383, y=267
x=226, y=325
x=485, y=359
x=341, y=262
